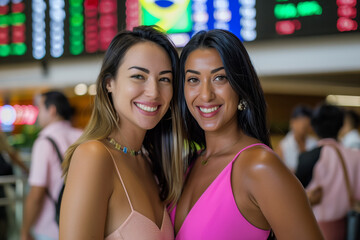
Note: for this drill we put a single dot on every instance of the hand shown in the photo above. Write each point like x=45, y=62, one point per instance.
x=315, y=195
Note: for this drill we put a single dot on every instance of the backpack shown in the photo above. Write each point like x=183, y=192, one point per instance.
x=57, y=202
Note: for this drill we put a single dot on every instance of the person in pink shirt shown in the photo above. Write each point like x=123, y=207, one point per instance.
x=45, y=177
x=327, y=188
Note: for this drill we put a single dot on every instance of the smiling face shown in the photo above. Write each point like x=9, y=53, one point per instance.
x=301, y=126
x=209, y=96
x=142, y=89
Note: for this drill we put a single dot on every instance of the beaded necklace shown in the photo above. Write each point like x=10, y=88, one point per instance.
x=123, y=148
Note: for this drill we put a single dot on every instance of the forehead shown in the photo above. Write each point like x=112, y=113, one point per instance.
x=146, y=54
x=204, y=58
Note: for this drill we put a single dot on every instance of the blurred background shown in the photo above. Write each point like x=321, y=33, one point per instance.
x=305, y=52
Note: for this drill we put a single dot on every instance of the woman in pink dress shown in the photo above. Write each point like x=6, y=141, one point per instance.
x=236, y=187
x=117, y=173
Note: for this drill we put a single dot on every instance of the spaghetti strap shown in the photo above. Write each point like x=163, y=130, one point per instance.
x=121, y=180
x=252, y=145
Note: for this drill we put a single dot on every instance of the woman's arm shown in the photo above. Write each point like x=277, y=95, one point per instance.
x=281, y=198
x=87, y=191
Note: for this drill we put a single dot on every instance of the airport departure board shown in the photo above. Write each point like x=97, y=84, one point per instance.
x=291, y=18
x=43, y=29
x=36, y=30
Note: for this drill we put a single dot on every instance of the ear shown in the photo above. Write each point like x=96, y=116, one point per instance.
x=52, y=110
x=110, y=84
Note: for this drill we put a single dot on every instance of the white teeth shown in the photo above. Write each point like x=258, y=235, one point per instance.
x=209, y=110
x=146, y=108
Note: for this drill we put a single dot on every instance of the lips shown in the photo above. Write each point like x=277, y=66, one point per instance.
x=209, y=110
x=147, y=108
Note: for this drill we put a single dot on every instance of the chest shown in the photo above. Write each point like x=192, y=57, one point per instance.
x=203, y=183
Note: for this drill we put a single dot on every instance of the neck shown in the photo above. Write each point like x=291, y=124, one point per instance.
x=129, y=137
x=56, y=119
x=223, y=140
x=300, y=138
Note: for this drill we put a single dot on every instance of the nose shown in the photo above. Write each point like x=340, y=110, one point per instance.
x=206, y=91
x=152, y=88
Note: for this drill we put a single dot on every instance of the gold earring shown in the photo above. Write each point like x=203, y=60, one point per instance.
x=242, y=105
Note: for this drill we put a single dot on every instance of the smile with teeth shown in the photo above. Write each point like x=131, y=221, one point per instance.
x=208, y=110
x=146, y=108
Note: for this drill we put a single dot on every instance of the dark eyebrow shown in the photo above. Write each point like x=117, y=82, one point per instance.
x=140, y=68
x=212, y=71
x=216, y=69
x=192, y=71
x=147, y=71
x=165, y=72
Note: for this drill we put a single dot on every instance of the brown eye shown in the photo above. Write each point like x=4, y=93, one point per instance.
x=192, y=80
x=221, y=78
x=165, y=79
x=137, y=76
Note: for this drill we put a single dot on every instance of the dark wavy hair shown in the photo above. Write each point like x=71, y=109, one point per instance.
x=161, y=141
x=327, y=120
x=242, y=78
x=301, y=111
x=60, y=101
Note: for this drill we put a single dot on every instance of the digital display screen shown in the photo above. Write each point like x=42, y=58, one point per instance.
x=13, y=28
x=250, y=20
x=45, y=29
x=182, y=18
x=292, y=18
x=50, y=29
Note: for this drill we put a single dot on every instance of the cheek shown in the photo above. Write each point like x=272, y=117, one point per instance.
x=229, y=95
x=125, y=91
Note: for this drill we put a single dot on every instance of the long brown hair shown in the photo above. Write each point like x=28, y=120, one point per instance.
x=166, y=153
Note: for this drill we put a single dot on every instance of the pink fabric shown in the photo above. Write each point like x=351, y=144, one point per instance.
x=216, y=216
x=328, y=173
x=45, y=171
x=334, y=230
x=137, y=226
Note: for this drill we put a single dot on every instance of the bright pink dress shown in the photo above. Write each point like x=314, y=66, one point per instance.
x=216, y=216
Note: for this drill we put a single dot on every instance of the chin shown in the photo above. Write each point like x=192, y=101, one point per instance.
x=148, y=125
x=209, y=127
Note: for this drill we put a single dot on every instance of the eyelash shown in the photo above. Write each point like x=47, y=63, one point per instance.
x=217, y=78
x=222, y=77
x=192, y=80
x=165, y=79
x=137, y=76
x=141, y=77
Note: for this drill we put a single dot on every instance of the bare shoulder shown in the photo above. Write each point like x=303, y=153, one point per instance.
x=261, y=166
x=260, y=158
x=92, y=153
x=275, y=192
x=91, y=160
x=89, y=186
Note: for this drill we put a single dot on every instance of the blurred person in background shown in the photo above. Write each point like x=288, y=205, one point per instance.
x=8, y=157
x=322, y=168
x=349, y=133
x=297, y=140
x=45, y=178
